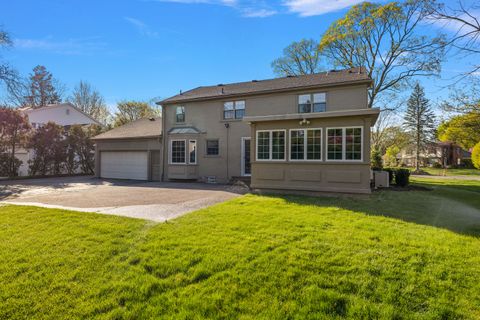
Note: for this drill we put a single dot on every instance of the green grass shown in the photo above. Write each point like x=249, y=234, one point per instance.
x=390, y=255
x=450, y=172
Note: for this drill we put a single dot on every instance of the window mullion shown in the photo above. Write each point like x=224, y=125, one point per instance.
x=344, y=144
x=305, y=132
x=270, y=147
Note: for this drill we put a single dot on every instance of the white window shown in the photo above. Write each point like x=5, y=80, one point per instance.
x=233, y=110
x=178, y=152
x=314, y=102
x=345, y=144
x=192, y=151
x=271, y=145
x=180, y=114
x=306, y=144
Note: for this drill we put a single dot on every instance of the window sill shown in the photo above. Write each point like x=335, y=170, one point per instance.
x=231, y=120
x=212, y=156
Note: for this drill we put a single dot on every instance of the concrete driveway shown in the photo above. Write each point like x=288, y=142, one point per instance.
x=156, y=201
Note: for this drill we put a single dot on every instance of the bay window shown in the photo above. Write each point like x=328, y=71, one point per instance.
x=180, y=152
x=177, y=151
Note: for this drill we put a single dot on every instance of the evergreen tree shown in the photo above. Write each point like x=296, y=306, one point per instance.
x=419, y=121
x=41, y=87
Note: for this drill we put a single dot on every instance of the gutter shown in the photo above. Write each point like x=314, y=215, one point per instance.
x=315, y=115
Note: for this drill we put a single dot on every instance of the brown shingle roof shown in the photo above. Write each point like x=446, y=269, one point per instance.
x=142, y=128
x=265, y=86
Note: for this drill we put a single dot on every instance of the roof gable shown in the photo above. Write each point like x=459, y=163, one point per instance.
x=52, y=113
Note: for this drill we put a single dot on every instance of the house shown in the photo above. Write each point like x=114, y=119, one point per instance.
x=309, y=132
x=446, y=154
x=63, y=114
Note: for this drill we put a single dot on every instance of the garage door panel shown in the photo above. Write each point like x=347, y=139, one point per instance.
x=124, y=165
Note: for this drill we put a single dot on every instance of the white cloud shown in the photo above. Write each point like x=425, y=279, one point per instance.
x=258, y=13
x=306, y=8
x=142, y=28
x=85, y=46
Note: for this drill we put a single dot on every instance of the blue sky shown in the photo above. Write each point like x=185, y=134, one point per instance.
x=141, y=49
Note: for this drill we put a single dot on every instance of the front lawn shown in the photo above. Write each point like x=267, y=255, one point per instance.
x=391, y=255
x=450, y=172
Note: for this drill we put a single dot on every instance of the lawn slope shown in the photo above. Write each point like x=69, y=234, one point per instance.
x=252, y=257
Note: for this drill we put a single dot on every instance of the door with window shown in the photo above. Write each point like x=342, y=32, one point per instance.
x=246, y=164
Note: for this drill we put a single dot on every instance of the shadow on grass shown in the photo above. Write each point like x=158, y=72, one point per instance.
x=449, y=206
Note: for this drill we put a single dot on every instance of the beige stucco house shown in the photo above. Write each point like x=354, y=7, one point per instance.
x=308, y=132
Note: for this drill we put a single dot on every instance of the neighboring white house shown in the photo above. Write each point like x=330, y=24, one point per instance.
x=63, y=114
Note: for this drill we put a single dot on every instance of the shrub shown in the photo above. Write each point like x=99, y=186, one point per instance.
x=402, y=177
x=437, y=165
x=476, y=156
x=467, y=163
x=7, y=168
x=376, y=160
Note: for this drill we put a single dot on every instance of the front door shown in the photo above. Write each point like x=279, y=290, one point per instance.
x=246, y=165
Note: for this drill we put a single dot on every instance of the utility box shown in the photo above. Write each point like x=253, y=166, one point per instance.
x=381, y=179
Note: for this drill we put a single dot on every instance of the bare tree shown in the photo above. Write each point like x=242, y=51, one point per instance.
x=9, y=77
x=89, y=100
x=465, y=20
x=298, y=58
x=384, y=39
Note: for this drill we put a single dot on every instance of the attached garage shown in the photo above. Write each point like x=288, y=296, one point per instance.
x=132, y=151
x=124, y=165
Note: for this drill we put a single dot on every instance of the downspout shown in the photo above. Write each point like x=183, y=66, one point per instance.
x=227, y=126
x=163, y=138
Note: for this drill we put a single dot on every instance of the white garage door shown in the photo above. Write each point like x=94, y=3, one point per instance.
x=124, y=165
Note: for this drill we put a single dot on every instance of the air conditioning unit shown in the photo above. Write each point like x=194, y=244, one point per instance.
x=381, y=179
x=211, y=179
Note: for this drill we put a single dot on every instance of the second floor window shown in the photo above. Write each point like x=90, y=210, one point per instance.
x=233, y=110
x=312, y=102
x=180, y=114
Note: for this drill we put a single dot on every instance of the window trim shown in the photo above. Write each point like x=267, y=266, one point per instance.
x=170, y=158
x=184, y=114
x=270, y=146
x=206, y=148
x=344, y=144
x=196, y=151
x=312, y=103
x=234, y=110
x=305, y=151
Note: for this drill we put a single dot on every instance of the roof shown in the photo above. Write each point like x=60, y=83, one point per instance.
x=184, y=130
x=58, y=105
x=142, y=128
x=334, y=77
